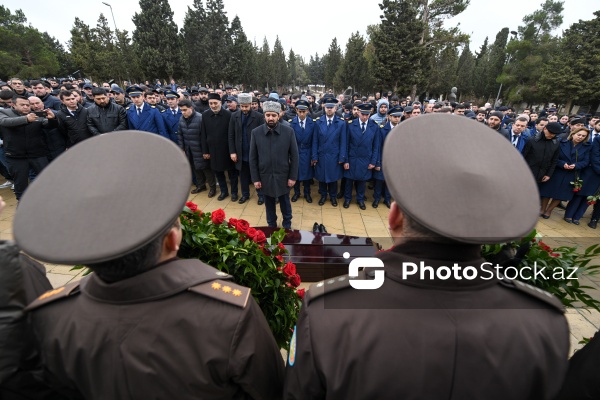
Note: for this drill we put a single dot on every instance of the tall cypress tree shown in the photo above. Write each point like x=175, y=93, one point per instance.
x=333, y=60
x=279, y=64
x=264, y=66
x=355, y=68
x=194, y=31
x=156, y=39
x=466, y=66
x=238, y=69
x=217, y=40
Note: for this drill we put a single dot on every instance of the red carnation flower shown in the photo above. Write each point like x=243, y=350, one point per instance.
x=242, y=226
x=218, y=216
x=295, y=280
x=259, y=237
x=192, y=206
x=289, y=269
x=301, y=292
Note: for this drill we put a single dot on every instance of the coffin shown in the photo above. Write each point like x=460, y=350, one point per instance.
x=320, y=256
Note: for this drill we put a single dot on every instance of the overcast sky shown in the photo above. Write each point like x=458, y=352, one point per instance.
x=307, y=29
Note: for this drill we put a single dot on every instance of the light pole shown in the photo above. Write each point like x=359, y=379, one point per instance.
x=514, y=33
x=113, y=15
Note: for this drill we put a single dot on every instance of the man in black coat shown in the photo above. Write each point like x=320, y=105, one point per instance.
x=541, y=152
x=274, y=163
x=24, y=141
x=495, y=122
x=105, y=115
x=202, y=104
x=215, y=145
x=190, y=143
x=42, y=90
x=242, y=123
x=72, y=118
x=432, y=319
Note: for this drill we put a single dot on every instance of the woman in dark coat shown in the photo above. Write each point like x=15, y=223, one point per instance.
x=591, y=185
x=573, y=156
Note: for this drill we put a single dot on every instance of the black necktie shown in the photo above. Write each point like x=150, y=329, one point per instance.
x=363, y=127
x=139, y=111
x=515, y=140
x=328, y=123
x=302, y=125
x=174, y=113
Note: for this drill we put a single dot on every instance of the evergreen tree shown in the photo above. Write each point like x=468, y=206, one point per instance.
x=574, y=71
x=24, y=51
x=265, y=66
x=531, y=52
x=292, y=68
x=496, y=62
x=194, y=32
x=240, y=55
x=217, y=40
x=106, y=51
x=84, y=49
x=279, y=64
x=65, y=63
x=301, y=72
x=316, y=70
x=355, y=68
x=394, y=64
x=465, y=69
x=156, y=40
x=442, y=76
x=333, y=60
x=481, y=70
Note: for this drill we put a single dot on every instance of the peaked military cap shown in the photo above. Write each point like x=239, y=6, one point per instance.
x=395, y=111
x=331, y=102
x=169, y=94
x=459, y=158
x=302, y=105
x=203, y=89
x=365, y=108
x=67, y=218
x=133, y=91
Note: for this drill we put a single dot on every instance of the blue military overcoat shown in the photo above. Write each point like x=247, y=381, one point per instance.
x=149, y=120
x=329, y=149
x=363, y=149
x=304, y=138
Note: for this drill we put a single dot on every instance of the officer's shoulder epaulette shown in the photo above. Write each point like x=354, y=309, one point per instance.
x=290, y=120
x=533, y=291
x=315, y=119
x=319, y=289
x=162, y=111
x=349, y=121
x=381, y=126
x=225, y=291
x=70, y=289
x=128, y=107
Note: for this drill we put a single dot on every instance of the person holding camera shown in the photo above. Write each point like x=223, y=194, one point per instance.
x=24, y=141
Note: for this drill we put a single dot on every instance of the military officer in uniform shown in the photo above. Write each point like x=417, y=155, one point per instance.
x=142, y=116
x=451, y=330
x=381, y=189
x=145, y=324
x=363, y=151
x=304, y=128
x=329, y=151
x=172, y=115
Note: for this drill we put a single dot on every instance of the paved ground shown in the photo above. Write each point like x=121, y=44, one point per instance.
x=353, y=221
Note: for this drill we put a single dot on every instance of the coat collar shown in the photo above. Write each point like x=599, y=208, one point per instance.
x=165, y=280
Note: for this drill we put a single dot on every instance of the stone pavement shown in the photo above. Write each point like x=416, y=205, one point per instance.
x=353, y=221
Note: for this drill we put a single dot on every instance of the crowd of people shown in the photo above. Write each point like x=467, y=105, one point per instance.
x=339, y=140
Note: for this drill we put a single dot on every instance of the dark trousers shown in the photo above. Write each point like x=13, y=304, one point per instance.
x=204, y=176
x=233, y=179
x=19, y=169
x=4, y=165
x=306, y=187
x=246, y=181
x=331, y=188
x=381, y=188
x=286, y=211
x=360, y=190
x=596, y=212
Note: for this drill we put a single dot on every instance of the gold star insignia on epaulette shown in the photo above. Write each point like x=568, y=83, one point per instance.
x=163, y=110
x=381, y=126
x=216, y=285
x=51, y=293
x=290, y=120
x=128, y=107
x=226, y=289
x=237, y=293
